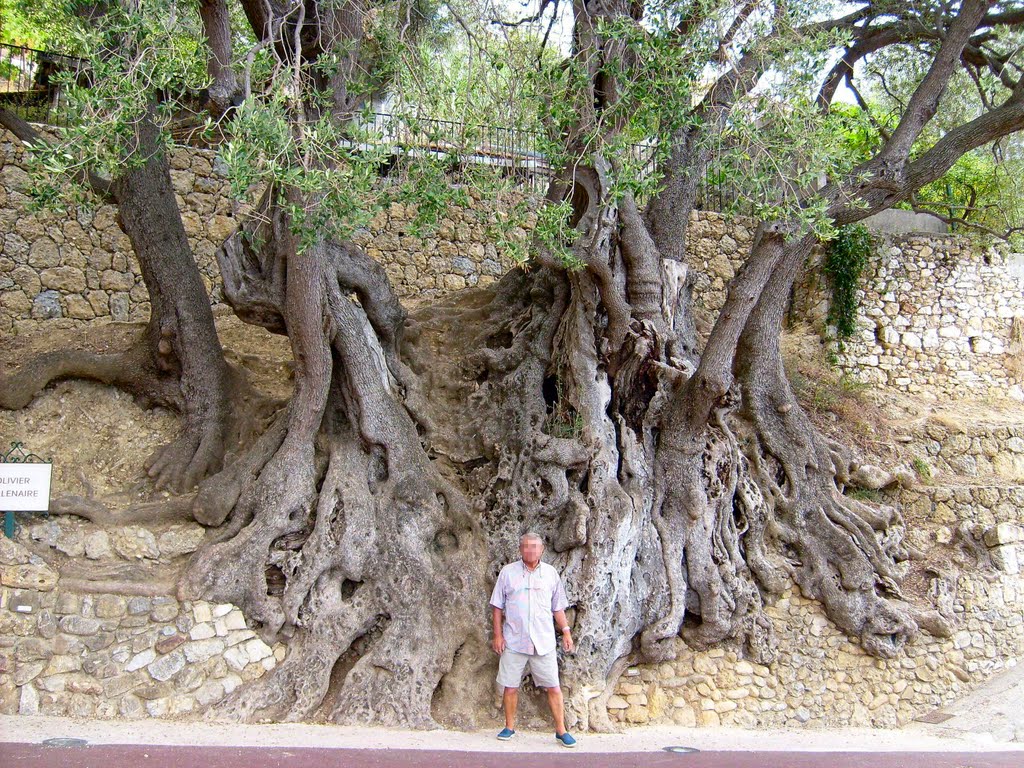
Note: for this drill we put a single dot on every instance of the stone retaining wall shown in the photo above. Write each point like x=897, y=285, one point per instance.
x=936, y=317
x=978, y=450
x=109, y=655
x=822, y=678
x=120, y=656
x=67, y=269
x=64, y=270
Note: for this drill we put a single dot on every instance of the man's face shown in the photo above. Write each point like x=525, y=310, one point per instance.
x=531, y=550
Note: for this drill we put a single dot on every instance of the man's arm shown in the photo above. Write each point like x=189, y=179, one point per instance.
x=498, y=643
x=562, y=624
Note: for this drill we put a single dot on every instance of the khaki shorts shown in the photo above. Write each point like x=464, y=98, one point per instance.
x=543, y=668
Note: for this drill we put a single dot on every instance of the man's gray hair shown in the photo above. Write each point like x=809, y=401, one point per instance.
x=530, y=536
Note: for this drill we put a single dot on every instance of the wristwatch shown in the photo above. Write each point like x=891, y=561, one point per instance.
x=565, y=629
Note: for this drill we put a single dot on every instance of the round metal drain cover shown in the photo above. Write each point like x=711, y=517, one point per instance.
x=681, y=750
x=63, y=742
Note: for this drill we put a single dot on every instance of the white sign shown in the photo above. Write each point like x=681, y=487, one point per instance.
x=25, y=487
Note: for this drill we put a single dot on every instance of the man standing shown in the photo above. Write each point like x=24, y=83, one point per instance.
x=526, y=596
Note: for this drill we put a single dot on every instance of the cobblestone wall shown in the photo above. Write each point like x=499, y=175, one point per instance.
x=821, y=678
x=71, y=268
x=66, y=269
x=936, y=317
x=976, y=450
x=110, y=655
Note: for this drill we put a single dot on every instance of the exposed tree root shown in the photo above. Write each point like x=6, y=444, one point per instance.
x=372, y=546
x=147, y=587
x=120, y=578
x=208, y=430
x=842, y=556
x=176, y=509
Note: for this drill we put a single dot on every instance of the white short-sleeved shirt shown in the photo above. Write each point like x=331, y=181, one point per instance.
x=528, y=599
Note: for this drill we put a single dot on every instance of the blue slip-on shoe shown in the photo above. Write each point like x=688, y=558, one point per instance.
x=506, y=734
x=566, y=740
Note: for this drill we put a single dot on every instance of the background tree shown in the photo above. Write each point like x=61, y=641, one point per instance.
x=575, y=397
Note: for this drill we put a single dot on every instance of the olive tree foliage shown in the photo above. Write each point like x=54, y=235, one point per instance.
x=41, y=24
x=678, y=482
x=980, y=194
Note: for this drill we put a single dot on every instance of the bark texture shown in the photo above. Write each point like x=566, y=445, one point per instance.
x=676, y=479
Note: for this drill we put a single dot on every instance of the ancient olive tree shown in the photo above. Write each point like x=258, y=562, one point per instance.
x=676, y=478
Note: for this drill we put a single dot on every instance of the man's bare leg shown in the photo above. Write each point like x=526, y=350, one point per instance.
x=557, y=709
x=510, y=701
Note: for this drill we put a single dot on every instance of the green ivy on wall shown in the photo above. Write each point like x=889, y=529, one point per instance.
x=846, y=256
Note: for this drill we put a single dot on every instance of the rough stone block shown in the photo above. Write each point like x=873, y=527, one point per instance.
x=110, y=606
x=46, y=306
x=28, y=701
x=140, y=660
x=202, y=631
x=236, y=658
x=171, y=642
x=180, y=540
x=1005, y=559
x=97, y=545
x=79, y=625
x=166, y=667
x=138, y=606
x=201, y=650
x=1003, y=533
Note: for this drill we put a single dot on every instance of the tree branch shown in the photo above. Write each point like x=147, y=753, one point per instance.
x=30, y=136
x=925, y=100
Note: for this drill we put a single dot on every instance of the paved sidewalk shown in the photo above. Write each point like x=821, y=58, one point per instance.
x=135, y=756
x=917, y=738
x=996, y=709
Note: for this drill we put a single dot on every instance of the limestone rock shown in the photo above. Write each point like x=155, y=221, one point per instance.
x=46, y=306
x=40, y=578
x=135, y=543
x=166, y=667
x=1003, y=533
x=180, y=540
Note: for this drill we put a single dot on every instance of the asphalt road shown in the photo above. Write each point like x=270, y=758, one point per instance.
x=15, y=755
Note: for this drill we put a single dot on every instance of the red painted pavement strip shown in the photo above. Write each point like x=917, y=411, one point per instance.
x=14, y=755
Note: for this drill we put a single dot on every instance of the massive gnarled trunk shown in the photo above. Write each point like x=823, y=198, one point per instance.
x=677, y=481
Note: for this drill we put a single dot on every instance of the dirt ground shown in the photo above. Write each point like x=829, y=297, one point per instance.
x=97, y=436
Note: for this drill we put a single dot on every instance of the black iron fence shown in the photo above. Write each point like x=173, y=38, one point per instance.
x=515, y=152
x=30, y=82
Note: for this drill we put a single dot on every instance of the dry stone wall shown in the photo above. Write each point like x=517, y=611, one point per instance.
x=716, y=247
x=936, y=317
x=974, y=450
x=111, y=655
x=65, y=268
x=822, y=679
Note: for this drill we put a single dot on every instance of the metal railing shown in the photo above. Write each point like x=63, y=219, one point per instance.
x=514, y=152
x=29, y=82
